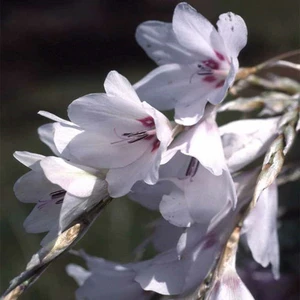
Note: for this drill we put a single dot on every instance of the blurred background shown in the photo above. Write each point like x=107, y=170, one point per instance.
x=56, y=51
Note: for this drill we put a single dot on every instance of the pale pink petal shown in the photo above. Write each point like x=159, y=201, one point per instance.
x=100, y=111
x=166, y=85
x=33, y=186
x=195, y=32
x=107, y=280
x=118, y=86
x=74, y=179
x=203, y=142
x=121, y=180
x=230, y=287
x=79, y=274
x=46, y=135
x=165, y=275
x=160, y=44
x=233, y=30
x=245, y=140
x=43, y=217
x=165, y=235
x=150, y=195
x=73, y=206
x=107, y=149
x=174, y=209
x=28, y=159
x=261, y=230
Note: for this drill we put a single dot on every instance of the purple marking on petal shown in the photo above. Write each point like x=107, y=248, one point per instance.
x=156, y=145
x=212, y=64
x=209, y=241
x=220, y=84
x=220, y=56
x=57, y=196
x=147, y=122
x=209, y=78
x=232, y=282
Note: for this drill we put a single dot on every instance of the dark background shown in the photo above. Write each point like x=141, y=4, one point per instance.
x=56, y=51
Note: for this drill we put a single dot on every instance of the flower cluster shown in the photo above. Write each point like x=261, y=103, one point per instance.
x=191, y=170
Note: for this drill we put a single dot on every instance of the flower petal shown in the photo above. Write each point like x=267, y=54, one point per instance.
x=55, y=118
x=261, y=230
x=121, y=180
x=205, y=201
x=245, y=140
x=79, y=274
x=160, y=43
x=98, y=111
x=46, y=135
x=150, y=195
x=118, y=86
x=28, y=159
x=203, y=142
x=43, y=217
x=165, y=275
x=163, y=86
x=107, y=280
x=174, y=209
x=33, y=187
x=74, y=179
x=233, y=30
x=198, y=200
x=105, y=151
x=74, y=206
x=181, y=87
x=195, y=32
x=230, y=287
x=165, y=235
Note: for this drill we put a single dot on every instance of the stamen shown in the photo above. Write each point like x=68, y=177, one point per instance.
x=132, y=137
x=203, y=70
x=138, y=138
x=192, y=167
x=57, y=196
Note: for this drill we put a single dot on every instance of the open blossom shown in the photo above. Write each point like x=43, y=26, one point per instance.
x=181, y=269
x=107, y=280
x=114, y=131
x=61, y=190
x=197, y=63
x=195, y=185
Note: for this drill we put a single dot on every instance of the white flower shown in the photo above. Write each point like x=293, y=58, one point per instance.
x=115, y=131
x=197, y=63
x=245, y=140
x=180, y=270
x=61, y=190
x=107, y=280
x=260, y=228
x=202, y=189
